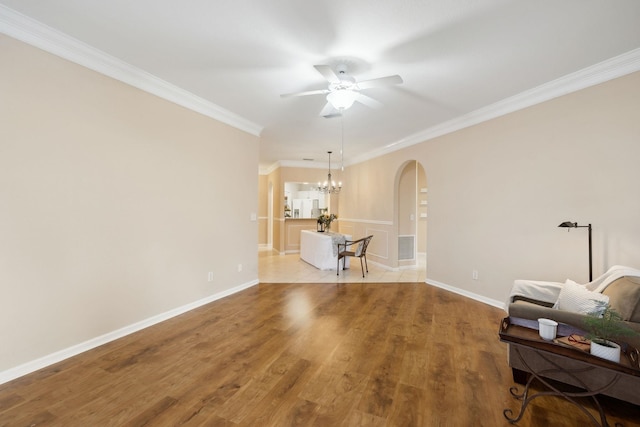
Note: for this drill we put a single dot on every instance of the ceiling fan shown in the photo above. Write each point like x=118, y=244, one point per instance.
x=344, y=90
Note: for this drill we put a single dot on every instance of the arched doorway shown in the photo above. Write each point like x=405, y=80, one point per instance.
x=411, y=214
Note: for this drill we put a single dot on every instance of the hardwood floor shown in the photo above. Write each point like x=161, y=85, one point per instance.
x=353, y=354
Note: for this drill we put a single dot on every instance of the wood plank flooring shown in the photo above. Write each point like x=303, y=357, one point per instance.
x=353, y=354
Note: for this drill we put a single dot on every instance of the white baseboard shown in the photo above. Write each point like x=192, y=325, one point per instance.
x=43, y=362
x=264, y=247
x=383, y=266
x=477, y=297
x=399, y=268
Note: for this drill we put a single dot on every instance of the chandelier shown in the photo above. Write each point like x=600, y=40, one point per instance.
x=329, y=186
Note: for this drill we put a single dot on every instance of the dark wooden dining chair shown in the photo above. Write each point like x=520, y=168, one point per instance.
x=359, y=252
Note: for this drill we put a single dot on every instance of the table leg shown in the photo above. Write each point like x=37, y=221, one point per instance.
x=526, y=398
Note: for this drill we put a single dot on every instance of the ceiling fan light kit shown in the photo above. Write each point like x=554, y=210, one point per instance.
x=342, y=99
x=343, y=90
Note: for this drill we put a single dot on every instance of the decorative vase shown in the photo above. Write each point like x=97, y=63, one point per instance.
x=610, y=351
x=320, y=227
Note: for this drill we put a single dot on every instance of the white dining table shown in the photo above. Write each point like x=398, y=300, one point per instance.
x=321, y=249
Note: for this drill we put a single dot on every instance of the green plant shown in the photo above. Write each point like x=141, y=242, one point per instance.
x=605, y=324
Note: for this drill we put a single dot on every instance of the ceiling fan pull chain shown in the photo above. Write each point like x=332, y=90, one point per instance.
x=342, y=147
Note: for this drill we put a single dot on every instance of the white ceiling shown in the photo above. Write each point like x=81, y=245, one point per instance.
x=455, y=56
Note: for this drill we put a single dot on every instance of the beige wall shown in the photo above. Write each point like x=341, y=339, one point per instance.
x=277, y=212
x=114, y=205
x=263, y=210
x=422, y=209
x=407, y=188
x=498, y=190
x=292, y=229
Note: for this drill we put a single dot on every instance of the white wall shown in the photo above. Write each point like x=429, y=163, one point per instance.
x=114, y=205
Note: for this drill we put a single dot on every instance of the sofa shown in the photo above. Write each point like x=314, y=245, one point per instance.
x=568, y=303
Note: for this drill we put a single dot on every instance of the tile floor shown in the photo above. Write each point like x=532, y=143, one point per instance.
x=275, y=268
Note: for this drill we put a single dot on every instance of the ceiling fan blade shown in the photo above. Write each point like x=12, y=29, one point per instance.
x=368, y=101
x=381, y=81
x=329, y=111
x=328, y=73
x=309, y=92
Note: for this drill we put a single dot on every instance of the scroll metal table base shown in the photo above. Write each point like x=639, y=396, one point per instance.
x=554, y=391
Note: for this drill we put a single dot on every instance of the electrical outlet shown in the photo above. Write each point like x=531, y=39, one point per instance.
x=239, y=268
x=474, y=274
x=210, y=277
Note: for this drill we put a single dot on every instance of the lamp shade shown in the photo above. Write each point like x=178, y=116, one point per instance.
x=569, y=224
x=341, y=99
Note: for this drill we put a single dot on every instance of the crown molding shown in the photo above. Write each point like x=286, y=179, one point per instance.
x=303, y=164
x=35, y=33
x=610, y=69
x=266, y=170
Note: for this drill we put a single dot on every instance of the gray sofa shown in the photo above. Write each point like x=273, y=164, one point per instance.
x=624, y=297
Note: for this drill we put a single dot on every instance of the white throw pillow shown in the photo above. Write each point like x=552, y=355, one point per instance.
x=578, y=299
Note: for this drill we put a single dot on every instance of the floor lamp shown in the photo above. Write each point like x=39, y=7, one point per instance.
x=569, y=224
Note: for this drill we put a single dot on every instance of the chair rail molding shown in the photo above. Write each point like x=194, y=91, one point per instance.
x=366, y=221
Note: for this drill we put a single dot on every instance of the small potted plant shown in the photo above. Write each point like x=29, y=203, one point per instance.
x=603, y=326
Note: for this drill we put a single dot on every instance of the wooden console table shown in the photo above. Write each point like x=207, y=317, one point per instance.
x=552, y=355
